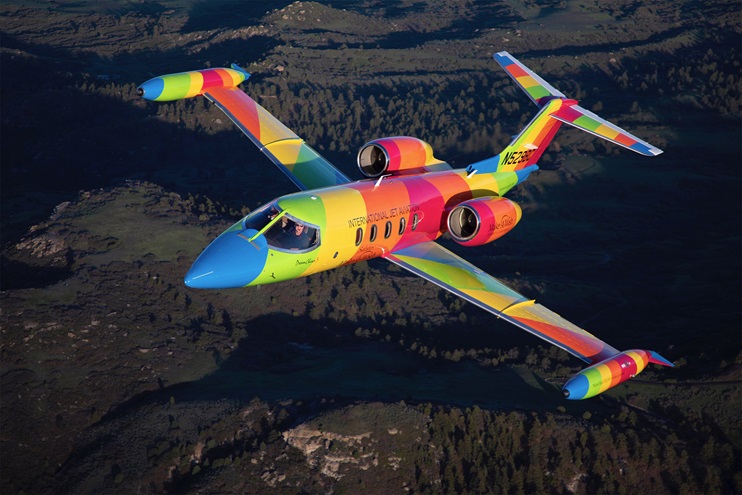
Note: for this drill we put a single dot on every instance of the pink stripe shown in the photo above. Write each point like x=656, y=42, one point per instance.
x=211, y=79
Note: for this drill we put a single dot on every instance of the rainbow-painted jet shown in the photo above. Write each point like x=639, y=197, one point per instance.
x=409, y=199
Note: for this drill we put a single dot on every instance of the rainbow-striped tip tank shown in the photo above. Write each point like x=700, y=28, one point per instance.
x=408, y=200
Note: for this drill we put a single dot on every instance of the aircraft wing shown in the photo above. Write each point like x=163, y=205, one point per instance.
x=437, y=264
x=305, y=167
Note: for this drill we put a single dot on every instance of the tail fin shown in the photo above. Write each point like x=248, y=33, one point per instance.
x=536, y=88
x=528, y=146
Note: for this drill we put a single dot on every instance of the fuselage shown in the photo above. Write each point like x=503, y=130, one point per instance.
x=340, y=225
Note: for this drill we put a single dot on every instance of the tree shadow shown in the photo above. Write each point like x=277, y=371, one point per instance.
x=19, y=275
x=93, y=139
x=282, y=359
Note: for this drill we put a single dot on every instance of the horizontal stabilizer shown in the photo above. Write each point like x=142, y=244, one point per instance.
x=587, y=121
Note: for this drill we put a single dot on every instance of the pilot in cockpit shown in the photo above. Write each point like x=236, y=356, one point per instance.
x=296, y=236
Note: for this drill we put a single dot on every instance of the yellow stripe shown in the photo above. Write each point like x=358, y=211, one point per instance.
x=340, y=205
x=231, y=75
x=606, y=131
x=271, y=129
x=641, y=363
x=519, y=305
x=237, y=77
x=287, y=152
x=497, y=301
x=197, y=83
x=485, y=183
x=605, y=375
x=527, y=82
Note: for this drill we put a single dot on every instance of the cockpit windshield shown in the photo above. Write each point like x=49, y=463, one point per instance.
x=286, y=232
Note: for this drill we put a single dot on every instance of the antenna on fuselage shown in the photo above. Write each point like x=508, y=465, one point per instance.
x=378, y=182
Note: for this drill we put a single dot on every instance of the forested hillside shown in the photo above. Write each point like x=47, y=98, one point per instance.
x=118, y=378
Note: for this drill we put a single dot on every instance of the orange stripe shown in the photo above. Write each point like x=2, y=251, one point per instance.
x=580, y=343
x=241, y=106
x=616, y=372
x=625, y=140
x=226, y=78
x=412, y=150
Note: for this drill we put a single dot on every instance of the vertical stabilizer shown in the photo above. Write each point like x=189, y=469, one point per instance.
x=531, y=83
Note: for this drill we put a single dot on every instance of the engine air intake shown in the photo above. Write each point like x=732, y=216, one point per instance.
x=397, y=156
x=482, y=220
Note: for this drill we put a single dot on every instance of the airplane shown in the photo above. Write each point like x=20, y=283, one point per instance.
x=408, y=200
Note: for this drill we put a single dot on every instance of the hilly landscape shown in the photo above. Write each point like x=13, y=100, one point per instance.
x=117, y=378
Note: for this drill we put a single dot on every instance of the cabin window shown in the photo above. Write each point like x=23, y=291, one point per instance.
x=372, y=237
x=359, y=236
x=388, y=229
x=402, y=225
x=415, y=219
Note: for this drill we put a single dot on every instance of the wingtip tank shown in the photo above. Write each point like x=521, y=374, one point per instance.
x=182, y=85
x=610, y=372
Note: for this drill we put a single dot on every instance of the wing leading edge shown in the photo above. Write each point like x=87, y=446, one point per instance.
x=303, y=165
x=436, y=264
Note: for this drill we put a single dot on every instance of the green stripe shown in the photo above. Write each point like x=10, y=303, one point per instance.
x=312, y=170
x=587, y=123
x=176, y=86
x=594, y=378
x=538, y=92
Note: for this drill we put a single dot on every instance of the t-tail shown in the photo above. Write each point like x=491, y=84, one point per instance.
x=522, y=154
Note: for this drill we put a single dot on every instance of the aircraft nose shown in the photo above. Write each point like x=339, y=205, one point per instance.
x=230, y=261
x=151, y=89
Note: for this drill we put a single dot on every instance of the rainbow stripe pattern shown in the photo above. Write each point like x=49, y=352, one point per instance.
x=438, y=265
x=189, y=84
x=609, y=373
x=587, y=121
x=305, y=167
x=405, y=155
x=531, y=83
x=542, y=93
x=363, y=220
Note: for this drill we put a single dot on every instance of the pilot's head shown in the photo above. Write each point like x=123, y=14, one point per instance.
x=298, y=228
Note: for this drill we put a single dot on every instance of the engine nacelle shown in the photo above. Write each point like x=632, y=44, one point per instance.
x=396, y=156
x=610, y=372
x=482, y=220
x=189, y=84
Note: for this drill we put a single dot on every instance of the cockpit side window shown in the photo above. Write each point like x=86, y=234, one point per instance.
x=261, y=217
x=287, y=233
x=292, y=234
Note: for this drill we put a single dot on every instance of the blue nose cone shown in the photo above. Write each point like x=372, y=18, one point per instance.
x=152, y=89
x=576, y=388
x=230, y=261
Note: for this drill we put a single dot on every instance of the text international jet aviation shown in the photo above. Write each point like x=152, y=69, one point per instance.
x=408, y=201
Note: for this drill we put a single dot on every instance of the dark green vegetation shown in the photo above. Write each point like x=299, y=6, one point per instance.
x=116, y=378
